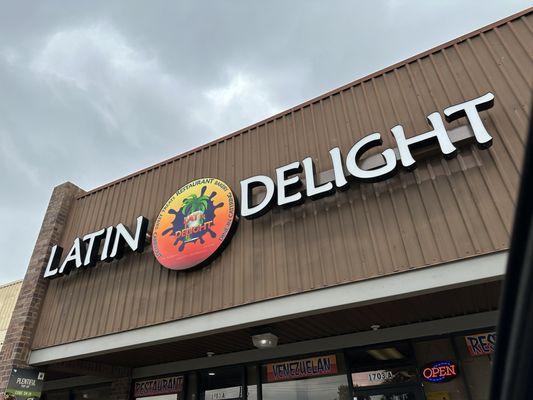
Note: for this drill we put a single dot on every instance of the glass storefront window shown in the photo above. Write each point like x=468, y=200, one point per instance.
x=300, y=379
x=222, y=383
x=191, y=386
x=434, y=353
x=475, y=352
x=384, y=373
x=324, y=388
x=388, y=394
x=252, y=381
x=389, y=376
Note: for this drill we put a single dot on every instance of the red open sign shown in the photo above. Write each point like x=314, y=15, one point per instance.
x=440, y=371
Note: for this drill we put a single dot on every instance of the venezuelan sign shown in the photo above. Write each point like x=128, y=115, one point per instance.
x=194, y=224
x=159, y=386
x=481, y=344
x=440, y=371
x=305, y=368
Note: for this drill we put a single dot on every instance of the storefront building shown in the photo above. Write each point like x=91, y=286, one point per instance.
x=352, y=247
x=8, y=297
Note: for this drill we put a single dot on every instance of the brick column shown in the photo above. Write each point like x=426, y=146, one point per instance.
x=120, y=389
x=19, y=336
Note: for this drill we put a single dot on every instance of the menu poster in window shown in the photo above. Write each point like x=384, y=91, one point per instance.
x=304, y=368
x=159, y=386
x=24, y=383
x=481, y=344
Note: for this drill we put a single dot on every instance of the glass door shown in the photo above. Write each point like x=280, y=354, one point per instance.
x=391, y=393
x=225, y=383
x=384, y=373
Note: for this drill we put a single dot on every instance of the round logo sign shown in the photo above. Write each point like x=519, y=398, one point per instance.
x=195, y=224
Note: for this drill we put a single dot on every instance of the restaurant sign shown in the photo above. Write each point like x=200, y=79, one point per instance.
x=481, y=344
x=24, y=383
x=440, y=371
x=198, y=220
x=159, y=386
x=304, y=368
x=195, y=224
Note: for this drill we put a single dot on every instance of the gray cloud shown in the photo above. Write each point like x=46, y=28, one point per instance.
x=123, y=84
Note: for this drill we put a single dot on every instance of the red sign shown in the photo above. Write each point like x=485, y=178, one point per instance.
x=440, y=371
x=481, y=344
x=305, y=368
x=158, y=386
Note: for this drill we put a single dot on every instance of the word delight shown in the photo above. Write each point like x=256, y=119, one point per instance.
x=285, y=191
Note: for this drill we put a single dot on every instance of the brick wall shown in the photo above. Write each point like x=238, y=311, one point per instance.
x=17, y=343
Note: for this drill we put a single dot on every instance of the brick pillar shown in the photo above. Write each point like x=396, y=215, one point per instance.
x=120, y=389
x=19, y=336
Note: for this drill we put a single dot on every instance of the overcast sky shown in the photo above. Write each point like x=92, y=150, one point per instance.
x=92, y=91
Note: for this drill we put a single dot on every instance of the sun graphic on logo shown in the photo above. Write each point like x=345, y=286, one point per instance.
x=195, y=224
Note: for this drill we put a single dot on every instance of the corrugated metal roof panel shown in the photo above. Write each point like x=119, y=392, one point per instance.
x=443, y=211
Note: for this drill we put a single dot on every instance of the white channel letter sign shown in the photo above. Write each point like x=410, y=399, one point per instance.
x=85, y=252
x=285, y=191
x=109, y=243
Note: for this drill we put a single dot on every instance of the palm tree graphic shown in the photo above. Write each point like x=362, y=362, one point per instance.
x=193, y=204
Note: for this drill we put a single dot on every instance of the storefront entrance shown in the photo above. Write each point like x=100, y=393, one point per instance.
x=416, y=369
x=222, y=383
x=386, y=373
